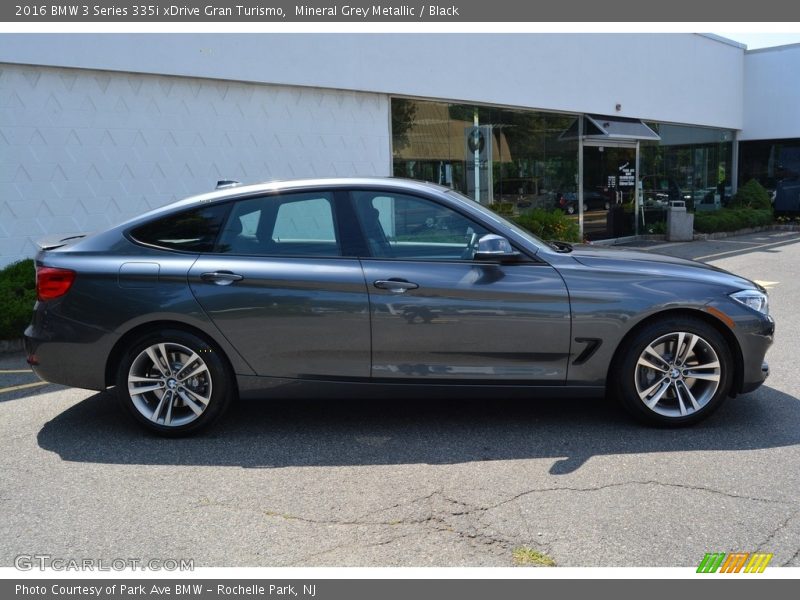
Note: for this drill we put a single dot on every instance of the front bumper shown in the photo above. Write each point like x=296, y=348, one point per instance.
x=749, y=386
x=755, y=338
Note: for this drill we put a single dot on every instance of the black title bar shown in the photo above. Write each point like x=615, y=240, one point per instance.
x=360, y=11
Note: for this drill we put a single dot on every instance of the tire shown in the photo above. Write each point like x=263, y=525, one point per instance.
x=570, y=210
x=190, y=396
x=656, y=387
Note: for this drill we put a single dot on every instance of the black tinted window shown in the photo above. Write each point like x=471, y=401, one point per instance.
x=191, y=231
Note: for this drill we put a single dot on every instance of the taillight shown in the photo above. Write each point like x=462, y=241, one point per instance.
x=53, y=283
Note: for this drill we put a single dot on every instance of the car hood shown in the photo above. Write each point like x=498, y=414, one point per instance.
x=618, y=259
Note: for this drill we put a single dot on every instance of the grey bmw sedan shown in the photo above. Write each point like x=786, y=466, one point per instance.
x=381, y=288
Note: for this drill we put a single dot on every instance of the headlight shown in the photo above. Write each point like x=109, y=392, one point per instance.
x=754, y=299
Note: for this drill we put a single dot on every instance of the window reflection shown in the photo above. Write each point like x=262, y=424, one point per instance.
x=519, y=160
x=775, y=164
x=517, y=154
x=693, y=164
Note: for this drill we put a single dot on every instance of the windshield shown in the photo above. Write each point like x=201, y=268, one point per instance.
x=502, y=222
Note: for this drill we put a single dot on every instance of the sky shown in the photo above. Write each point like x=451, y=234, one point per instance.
x=761, y=40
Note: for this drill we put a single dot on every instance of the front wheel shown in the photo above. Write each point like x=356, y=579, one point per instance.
x=174, y=383
x=675, y=372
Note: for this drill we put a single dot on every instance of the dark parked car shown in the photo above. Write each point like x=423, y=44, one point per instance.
x=523, y=193
x=384, y=288
x=592, y=200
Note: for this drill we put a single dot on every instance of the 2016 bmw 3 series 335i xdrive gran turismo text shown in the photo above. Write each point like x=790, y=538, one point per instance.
x=380, y=288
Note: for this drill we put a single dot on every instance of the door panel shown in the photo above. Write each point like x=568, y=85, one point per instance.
x=468, y=321
x=289, y=317
x=279, y=289
x=439, y=315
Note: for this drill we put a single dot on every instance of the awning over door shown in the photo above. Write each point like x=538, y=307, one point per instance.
x=604, y=127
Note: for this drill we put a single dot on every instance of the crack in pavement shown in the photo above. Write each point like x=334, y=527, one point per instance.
x=794, y=556
x=635, y=482
x=470, y=508
x=441, y=519
x=776, y=531
x=304, y=559
x=437, y=520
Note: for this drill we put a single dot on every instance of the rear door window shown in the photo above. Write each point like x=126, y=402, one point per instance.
x=285, y=225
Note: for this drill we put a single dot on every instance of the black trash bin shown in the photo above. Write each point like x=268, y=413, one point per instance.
x=615, y=224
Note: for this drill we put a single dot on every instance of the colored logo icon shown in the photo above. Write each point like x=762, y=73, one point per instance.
x=735, y=562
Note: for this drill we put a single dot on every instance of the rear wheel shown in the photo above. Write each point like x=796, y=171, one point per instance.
x=675, y=372
x=174, y=383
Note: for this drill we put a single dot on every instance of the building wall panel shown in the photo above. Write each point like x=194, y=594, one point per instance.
x=84, y=149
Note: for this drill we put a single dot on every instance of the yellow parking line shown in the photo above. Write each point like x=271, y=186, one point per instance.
x=2, y=371
x=22, y=387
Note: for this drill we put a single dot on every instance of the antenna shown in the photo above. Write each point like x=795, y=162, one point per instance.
x=226, y=183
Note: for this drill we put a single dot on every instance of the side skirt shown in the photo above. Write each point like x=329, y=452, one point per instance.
x=274, y=388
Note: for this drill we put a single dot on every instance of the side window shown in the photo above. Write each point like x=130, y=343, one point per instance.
x=408, y=227
x=309, y=220
x=281, y=225
x=190, y=231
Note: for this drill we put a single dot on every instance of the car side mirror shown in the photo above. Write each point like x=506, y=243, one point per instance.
x=495, y=248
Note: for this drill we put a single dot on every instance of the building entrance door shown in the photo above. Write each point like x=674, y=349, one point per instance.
x=608, y=203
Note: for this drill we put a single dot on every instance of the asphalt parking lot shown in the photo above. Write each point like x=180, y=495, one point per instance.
x=418, y=483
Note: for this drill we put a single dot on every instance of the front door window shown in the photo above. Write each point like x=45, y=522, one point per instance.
x=406, y=227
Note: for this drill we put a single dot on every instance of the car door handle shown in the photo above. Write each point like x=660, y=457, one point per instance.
x=396, y=286
x=221, y=277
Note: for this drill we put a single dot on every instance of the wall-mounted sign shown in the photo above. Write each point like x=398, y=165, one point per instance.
x=627, y=175
x=478, y=155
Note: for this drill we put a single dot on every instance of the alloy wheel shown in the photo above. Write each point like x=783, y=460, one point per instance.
x=677, y=374
x=169, y=384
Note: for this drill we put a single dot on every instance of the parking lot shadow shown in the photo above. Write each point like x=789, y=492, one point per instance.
x=275, y=434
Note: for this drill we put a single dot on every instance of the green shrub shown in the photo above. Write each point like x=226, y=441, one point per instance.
x=503, y=208
x=659, y=227
x=731, y=219
x=751, y=195
x=17, y=296
x=549, y=225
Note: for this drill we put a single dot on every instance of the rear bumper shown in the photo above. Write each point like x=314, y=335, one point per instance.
x=64, y=352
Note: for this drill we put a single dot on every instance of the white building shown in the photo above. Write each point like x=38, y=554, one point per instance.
x=97, y=128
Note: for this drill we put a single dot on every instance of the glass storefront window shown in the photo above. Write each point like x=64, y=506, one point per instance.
x=493, y=155
x=693, y=164
x=775, y=164
x=526, y=159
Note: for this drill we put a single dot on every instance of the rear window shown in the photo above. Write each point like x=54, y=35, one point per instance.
x=190, y=231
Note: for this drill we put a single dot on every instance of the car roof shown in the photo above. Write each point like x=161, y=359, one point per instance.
x=237, y=190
